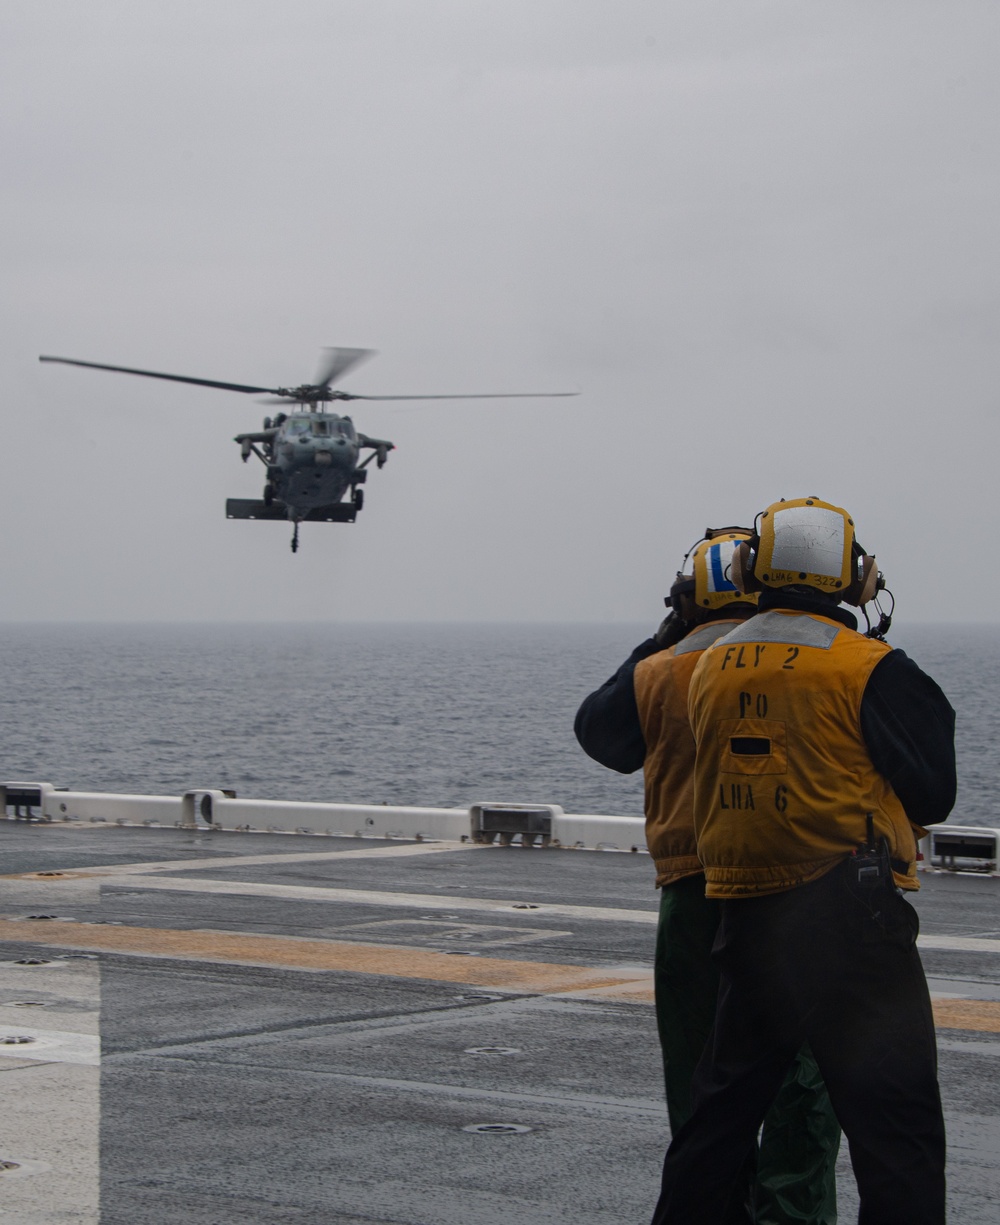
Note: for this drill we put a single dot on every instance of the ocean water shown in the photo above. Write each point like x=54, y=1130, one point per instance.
x=406, y=714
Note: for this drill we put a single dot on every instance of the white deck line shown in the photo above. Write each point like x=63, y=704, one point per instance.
x=407, y=901
x=50, y=1124
x=53, y=1046
x=440, y=902
x=960, y=944
x=380, y=850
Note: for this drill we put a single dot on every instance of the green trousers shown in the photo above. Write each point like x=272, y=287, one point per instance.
x=793, y=1178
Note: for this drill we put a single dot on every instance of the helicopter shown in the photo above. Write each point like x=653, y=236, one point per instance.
x=310, y=452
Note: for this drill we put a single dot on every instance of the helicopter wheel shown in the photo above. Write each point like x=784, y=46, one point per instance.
x=268, y=494
x=295, y=539
x=359, y=499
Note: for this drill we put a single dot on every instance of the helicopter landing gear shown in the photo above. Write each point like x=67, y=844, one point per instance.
x=359, y=499
x=295, y=537
x=268, y=494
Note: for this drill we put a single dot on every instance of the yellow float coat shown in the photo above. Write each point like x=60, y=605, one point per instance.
x=783, y=780
x=661, y=695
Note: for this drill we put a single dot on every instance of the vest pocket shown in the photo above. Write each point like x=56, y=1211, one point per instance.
x=752, y=746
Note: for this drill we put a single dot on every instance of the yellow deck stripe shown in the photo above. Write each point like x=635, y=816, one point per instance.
x=310, y=954
x=305, y=953
x=983, y=1015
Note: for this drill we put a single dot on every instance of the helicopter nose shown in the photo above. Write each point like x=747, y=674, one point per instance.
x=337, y=453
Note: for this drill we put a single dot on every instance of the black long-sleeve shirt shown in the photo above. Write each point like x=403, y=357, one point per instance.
x=907, y=723
x=607, y=723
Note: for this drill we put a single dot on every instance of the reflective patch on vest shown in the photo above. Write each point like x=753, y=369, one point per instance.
x=752, y=746
x=703, y=637
x=798, y=630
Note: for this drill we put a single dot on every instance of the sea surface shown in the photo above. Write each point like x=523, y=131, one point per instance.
x=434, y=715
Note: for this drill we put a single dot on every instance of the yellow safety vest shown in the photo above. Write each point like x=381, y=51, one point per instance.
x=661, y=695
x=783, y=780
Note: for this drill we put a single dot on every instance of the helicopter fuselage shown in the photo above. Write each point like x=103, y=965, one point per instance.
x=313, y=457
x=312, y=460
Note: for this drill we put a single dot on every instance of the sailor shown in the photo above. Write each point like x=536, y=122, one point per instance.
x=639, y=720
x=821, y=752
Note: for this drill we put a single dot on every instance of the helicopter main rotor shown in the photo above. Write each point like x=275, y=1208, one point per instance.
x=337, y=362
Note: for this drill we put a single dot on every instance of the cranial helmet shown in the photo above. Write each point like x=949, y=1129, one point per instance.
x=709, y=585
x=805, y=542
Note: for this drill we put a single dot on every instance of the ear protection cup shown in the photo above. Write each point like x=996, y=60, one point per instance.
x=865, y=586
x=741, y=568
x=869, y=587
x=682, y=585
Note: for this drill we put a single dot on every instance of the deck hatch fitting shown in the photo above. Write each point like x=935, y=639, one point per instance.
x=497, y=1129
x=16, y=1040
x=493, y=1050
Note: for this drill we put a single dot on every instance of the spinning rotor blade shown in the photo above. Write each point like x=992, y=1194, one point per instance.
x=307, y=395
x=489, y=395
x=156, y=374
x=336, y=362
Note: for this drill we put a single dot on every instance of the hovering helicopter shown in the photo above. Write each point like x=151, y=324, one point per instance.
x=311, y=454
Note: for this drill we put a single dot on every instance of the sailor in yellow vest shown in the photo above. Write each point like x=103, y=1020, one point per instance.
x=639, y=720
x=821, y=752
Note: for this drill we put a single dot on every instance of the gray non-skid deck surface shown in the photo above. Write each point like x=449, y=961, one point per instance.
x=260, y=1093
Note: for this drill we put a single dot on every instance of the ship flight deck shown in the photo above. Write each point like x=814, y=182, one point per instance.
x=208, y=1026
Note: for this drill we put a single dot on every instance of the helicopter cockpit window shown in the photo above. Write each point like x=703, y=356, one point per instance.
x=345, y=429
x=298, y=425
x=321, y=428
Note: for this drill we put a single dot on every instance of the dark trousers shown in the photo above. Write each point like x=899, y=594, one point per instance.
x=792, y=1178
x=686, y=982
x=837, y=967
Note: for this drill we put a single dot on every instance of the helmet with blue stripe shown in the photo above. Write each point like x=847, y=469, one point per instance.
x=709, y=586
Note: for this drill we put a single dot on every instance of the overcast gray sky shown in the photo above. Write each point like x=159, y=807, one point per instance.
x=760, y=237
